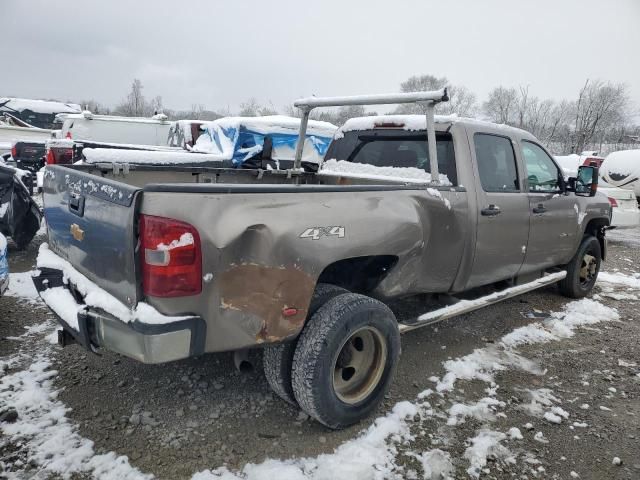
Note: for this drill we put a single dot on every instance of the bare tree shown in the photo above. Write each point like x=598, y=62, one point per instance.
x=250, y=108
x=501, y=105
x=601, y=107
x=155, y=106
x=461, y=100
x=135, y=104
x=94, y=106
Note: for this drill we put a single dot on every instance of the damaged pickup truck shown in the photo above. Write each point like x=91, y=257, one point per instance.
x=161, y=263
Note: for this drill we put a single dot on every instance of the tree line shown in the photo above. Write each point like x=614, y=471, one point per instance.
x=601, y=116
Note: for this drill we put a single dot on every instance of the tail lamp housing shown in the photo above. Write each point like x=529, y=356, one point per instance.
x=171, y=257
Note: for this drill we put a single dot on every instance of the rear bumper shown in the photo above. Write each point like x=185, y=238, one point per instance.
x=147, y=343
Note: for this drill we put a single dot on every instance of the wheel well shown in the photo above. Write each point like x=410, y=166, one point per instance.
x=358, y=274
x=596, y=227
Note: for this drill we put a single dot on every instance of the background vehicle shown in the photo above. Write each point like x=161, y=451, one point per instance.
x=115, y=129
x=236, y=142
x=36, y=113
x=4, y=265
x=29, y=156
x=624, y=206
x=169, y=262
x=622, y=169
x=571, y=162
x=19, y=215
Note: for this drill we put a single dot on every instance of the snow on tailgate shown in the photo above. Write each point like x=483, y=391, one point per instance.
x=63, y=303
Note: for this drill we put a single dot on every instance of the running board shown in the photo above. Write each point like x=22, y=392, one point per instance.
x=466, y=306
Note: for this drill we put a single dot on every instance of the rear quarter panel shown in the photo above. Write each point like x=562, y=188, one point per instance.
x=259, y=264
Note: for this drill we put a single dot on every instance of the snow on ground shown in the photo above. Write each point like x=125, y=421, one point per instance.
x=21, y=286
x=53, y=442
x=55, y=445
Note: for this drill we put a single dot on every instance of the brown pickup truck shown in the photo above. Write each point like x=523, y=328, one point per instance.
x=165, y=262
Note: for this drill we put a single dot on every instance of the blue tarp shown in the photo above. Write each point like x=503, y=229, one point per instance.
x=4, y=264
x=240, y=139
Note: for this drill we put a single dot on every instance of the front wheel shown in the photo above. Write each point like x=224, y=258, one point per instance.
x=582, y=270
x=345, y=359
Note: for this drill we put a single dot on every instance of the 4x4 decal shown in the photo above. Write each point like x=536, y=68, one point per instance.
x=316, y=233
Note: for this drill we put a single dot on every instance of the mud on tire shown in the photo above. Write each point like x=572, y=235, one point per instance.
x=278, y=359
x=345, y=359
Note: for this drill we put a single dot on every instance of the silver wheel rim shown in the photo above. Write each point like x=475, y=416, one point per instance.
x=359, y=365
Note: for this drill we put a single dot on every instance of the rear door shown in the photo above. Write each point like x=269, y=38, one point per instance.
x=91, y=224
x=555, y=217
x=503, y=210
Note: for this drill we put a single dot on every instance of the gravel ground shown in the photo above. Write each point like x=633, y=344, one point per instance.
x=176, y=419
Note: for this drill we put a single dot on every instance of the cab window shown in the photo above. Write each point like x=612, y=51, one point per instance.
x=542, y=173
x=496, y=163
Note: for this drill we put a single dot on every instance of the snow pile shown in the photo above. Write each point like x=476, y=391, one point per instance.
x=343, y=168
x=21, y=286
x=486, y=443
x=436, y=465
x=620, y=279
x=483, y=363
x=53, y=442
x=62, y=302
x=370, y=455
x=483, y=410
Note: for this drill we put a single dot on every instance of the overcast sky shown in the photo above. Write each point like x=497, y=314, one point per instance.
x=221, y=53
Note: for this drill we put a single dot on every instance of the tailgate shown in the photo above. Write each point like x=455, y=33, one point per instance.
x=91, y=223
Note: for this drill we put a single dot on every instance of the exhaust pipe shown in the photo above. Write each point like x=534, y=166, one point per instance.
x=242, y=362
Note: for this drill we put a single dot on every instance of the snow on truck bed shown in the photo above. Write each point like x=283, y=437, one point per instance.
x=343, y=168
x=111, y=155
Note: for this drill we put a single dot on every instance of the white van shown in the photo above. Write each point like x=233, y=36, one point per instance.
x=114, y=129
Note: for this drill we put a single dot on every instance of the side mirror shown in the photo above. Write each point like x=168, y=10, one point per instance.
x=585, y=184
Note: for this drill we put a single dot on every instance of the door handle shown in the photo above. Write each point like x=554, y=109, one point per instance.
x=491, y=211
x=539, y=209
x=76, y=205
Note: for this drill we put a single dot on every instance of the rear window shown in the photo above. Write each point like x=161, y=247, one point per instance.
x=393, y=148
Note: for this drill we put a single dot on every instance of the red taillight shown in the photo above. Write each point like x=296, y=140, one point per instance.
x=14, y=151
x=51, y=159
x=593, y=162
x=171, y=257
x=613, y=202
x=59, y=156
x=68, y=135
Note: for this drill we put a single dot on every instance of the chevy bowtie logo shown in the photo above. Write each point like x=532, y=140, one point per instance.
x=77, y=232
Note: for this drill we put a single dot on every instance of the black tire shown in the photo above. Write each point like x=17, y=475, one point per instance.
x=277, y=360
x=582, y=272
x=337, y=326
